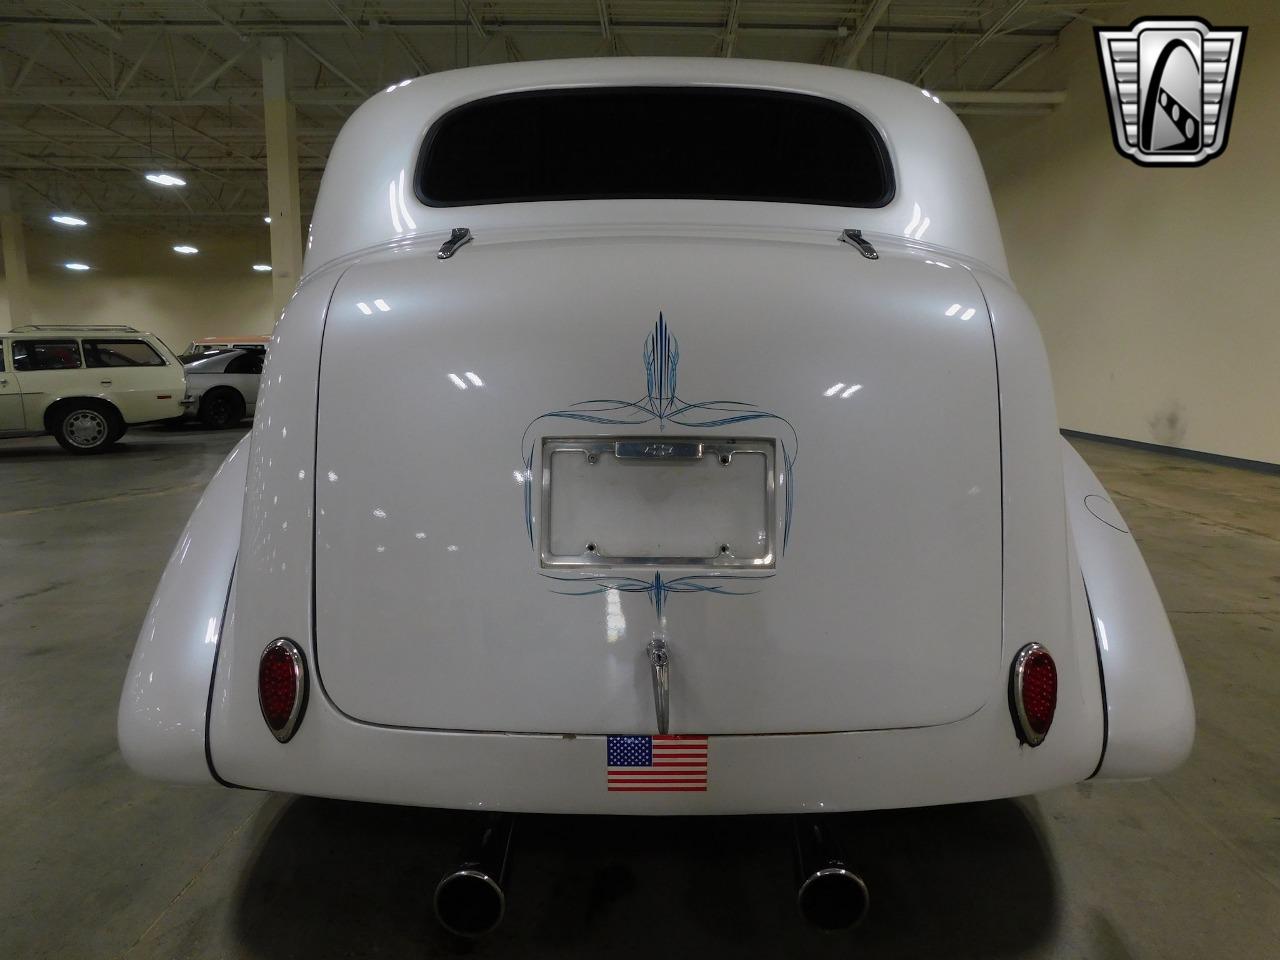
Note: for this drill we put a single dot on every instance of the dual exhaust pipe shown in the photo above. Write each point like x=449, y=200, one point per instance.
x=470, y=900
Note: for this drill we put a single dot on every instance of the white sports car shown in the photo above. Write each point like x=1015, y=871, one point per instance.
x=655, y=437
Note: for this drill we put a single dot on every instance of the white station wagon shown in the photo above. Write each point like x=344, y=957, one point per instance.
x=85, y=385
x=655, y=437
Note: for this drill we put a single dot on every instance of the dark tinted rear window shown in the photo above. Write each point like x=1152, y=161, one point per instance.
x=654, y=142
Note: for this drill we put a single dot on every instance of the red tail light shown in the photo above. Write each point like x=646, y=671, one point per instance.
x=1033, y=693
x=282, y=687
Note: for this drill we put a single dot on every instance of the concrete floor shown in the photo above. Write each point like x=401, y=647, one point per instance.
x=95, y=862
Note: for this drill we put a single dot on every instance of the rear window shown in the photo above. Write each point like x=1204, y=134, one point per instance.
x=31, y=355
x=121, y=353
x=720, y=143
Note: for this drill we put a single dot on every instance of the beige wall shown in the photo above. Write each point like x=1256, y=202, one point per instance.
x=1158, y=290
x=138, y=280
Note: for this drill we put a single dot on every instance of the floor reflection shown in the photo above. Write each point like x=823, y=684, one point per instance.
x=347, y=879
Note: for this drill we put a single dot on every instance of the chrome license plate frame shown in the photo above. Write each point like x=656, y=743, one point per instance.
x=637, y=452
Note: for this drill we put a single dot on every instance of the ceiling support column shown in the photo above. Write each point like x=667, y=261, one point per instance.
x=282, y=173
x=16, y=285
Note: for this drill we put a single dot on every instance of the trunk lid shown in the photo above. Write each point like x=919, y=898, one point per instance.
x=865, y=390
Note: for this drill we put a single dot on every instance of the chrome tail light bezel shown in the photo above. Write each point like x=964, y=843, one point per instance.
x=294, y=653
x=1021, y=722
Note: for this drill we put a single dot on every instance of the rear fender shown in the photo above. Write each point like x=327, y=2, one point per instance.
x=161, y=722
x=1150, y=715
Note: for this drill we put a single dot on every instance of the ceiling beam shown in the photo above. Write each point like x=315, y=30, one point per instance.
x=1011, y=11
x=137, y=65
x=101, y=24
x=517, y=25
x=848, y=57
x=1031, y=59
x=208, y=8
x=730, y=28
x=328, y=65
x=218, y=71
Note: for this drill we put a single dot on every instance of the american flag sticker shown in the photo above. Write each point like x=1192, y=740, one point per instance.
x=675, y=763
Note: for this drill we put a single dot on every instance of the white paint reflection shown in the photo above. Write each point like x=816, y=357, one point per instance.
x=615, y=621
x=1102, y=634
x=458, y=381
x=832, y=390
x=851, y=391
x=475, y=379
x=364, y=308
x=914, y=221
x=953, y=310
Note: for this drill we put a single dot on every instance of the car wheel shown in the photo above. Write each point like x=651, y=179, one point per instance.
x=221, y=408
x=87, y=427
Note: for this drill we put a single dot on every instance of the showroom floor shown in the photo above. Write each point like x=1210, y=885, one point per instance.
x=99, y=863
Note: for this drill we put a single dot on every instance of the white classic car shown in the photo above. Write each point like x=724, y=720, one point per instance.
x=222, y=385
x=655, y=437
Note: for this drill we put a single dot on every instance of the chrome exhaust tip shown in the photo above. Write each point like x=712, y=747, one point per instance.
x=833, y=898
x=830, y=896
x=469, y=901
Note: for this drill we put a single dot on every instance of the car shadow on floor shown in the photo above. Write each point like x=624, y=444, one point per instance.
x=347, y=879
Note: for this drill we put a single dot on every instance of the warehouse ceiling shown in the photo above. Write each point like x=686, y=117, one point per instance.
x=94, y=94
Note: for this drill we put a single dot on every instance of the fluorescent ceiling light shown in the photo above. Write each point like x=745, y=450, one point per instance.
x=185, y=249
x=76, y=266
x=166, y=180
x=262, y=267
x=68, y=221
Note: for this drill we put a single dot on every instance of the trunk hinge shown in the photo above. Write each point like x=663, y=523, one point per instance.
x=457, y=238
x=854, y=238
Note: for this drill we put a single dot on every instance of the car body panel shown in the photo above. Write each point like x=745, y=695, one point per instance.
x=1151, y=719
x=161, y=720
x=824, y=639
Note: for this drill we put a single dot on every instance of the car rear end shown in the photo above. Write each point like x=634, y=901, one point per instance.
x=484, y=581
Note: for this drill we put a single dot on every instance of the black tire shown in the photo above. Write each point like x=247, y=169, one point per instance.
x=86, y=426
x=221, y=407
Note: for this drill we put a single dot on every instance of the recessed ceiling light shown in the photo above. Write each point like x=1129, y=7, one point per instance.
x=166, y=180
x=266, y=219
x=262, y=267
x=68, y=221
x=186, y=249
x=76, y=266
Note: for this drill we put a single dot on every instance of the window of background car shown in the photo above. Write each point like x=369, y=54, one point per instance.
x=31, y=355
x=121, y=353
x=720, y=143
x=246, y=363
